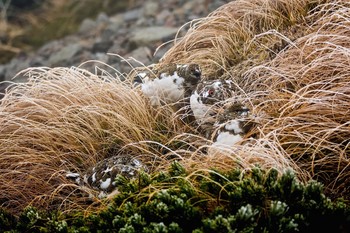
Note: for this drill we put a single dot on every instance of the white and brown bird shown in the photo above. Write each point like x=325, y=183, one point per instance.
x=219, y=116
x=232, y=125
x=169, y=83
x=208, y=97
x=102, y=176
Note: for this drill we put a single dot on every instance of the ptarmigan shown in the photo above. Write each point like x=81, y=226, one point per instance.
x=232, y=125
x=168, y=83
x=223, y=121
x=208, y=97
x=102, y=176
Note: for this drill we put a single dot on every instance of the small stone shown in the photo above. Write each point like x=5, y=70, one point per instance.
x=65, y=55
x=132, y=15
x=107, y=35
x=141, y=54
x=102, y=18
x=37, y=61
x=113, y=28
x=150, y=9
x=87, y=26
x=2, y=72
x=102, y=46
x=16, y=65
x=47, y=49
x=149, y=35
x=102, y=57
x=216, y=4
x=117, y=19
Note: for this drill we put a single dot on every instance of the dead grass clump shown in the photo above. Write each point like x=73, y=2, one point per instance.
x=66, y=120
x=234, y=34
x=263, y=153
x=305, y=91
x=290, y=59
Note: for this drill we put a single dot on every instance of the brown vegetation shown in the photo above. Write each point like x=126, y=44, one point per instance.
x=66, y=120
x=290, y=59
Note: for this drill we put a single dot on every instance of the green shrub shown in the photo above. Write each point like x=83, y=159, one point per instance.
x=174, y=201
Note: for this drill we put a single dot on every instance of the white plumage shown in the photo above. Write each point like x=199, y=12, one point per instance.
x=166, y=88
x=227, y=139
x=201, y=111
x=169, y=83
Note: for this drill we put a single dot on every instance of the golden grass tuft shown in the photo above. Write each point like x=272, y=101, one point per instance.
x=241, y=33
x=67, y=119
x=290, y=61
x=307, y=94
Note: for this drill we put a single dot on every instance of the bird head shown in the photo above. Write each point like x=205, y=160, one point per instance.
x=191, y=73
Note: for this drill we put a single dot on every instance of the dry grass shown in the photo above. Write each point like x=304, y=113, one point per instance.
x=68, y=119
x=242, y=31
x=290, y=59
x=307, y=94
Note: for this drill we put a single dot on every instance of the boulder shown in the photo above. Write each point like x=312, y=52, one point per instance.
x=145, y=36
x=65, y=54
x=87, y=26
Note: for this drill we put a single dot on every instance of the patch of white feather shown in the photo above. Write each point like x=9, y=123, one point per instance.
x=217, y=84
x=234, y=126
x=93, y=177
x=105, y=184
x=226, y=139
x=142, y=75
x=200, y=110
x=167, y=88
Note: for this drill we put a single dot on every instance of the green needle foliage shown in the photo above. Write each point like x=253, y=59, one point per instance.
x=205, y=201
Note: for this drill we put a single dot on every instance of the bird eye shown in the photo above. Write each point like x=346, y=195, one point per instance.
x=197, y=73
x=211, y=92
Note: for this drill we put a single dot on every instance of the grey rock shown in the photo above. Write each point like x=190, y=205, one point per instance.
x=119, y=47
x=190, y=5
x=102, y=46
x=107, y=34
x=87, y=26
x=65, y=54
x=141, y=55
x=103, y=57
x=148, y=35
x=150, y=9
x=47, y=49
x=113, y=28
x=14, y=67
x=159, y=53
x=163, y=18
x=145, y=22
x=216, y=4
x=117, y=20
x=38, y=61
x=102, y=18
x=2, y=72
x=132, y=15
